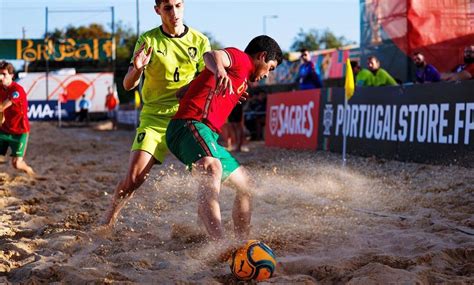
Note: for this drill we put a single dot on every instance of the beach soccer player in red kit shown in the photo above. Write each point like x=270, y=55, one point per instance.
x=193, y=132
x=14, y=124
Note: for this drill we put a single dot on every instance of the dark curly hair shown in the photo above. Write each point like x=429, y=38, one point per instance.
x=265, y=43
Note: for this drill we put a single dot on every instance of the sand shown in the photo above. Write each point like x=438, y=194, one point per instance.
x=372, y=222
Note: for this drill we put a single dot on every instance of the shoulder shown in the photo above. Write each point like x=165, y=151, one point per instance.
x=197, y=34
x=198, y=38
x=364, y=73
x=16, y=89
x=151, y=33
x=431, y=67
x=383, y=72
x=237, y=56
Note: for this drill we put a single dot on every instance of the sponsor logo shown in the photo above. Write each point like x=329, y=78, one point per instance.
x=292, y=120
x=327, y=120
x=41, y=111
x=421, y=123
x=48, y=110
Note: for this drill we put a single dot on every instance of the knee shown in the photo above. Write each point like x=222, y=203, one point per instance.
x=210, y=166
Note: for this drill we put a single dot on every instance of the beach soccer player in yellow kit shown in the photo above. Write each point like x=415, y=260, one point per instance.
x=169, y=56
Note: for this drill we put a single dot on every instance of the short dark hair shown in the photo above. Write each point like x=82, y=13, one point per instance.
x=267, y=44
x=373, y=57
x=303, y=50
x=8, y=66
x=158, y=2
x=355, y=64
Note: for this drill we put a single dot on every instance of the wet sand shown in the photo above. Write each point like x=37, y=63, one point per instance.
x=373, y=222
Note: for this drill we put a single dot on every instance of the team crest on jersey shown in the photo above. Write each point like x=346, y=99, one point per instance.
x=192, y=51
x=140, y=137
x=16, y=95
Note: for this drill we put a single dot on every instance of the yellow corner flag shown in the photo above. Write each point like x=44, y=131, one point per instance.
x=137, y=99
x=349, y=85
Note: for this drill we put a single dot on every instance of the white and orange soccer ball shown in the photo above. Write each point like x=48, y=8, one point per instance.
x=255, y=260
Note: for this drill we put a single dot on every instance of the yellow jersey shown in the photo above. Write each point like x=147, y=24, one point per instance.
x=174, y=62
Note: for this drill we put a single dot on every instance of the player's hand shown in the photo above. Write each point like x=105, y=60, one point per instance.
x=223, y=82
x=243, y=98
x=142, y=57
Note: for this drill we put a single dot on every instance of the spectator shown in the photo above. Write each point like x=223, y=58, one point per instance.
x=464, y=71
x=236, y=130
x=84, y=106
x=308, y=78
x=425, y=72
x=111, y=103
x=255, y=115
x=362, y=76
x=381, y=76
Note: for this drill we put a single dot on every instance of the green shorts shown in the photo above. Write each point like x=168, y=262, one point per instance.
x=191, y=140
x=150, y=135
x=16, y=142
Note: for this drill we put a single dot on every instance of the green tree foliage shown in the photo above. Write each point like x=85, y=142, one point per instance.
x=318, y=39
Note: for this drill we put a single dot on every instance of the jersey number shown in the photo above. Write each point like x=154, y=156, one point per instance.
x=176, y=75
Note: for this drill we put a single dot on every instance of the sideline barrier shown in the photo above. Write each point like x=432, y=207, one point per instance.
x=422, y=123
x=292, y=119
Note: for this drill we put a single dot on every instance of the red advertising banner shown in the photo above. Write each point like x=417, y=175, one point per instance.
x=292, y=119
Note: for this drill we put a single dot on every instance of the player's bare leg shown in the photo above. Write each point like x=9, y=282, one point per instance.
x=139, y=166
x=209, y=172
x=20, y=164
x=242, y=210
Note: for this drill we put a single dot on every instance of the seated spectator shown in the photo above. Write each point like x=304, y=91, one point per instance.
x=381, y=76
x=425, y=72
x=308, y=77
x=365, y=78
x=464, y=71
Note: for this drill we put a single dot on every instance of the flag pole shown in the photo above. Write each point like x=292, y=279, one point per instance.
x=349, y=88
x=344, y=134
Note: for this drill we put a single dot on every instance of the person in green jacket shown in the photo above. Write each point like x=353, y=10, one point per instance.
x=374, y=75
x=381, y=76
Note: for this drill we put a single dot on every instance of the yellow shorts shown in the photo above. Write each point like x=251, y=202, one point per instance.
x=151, y=135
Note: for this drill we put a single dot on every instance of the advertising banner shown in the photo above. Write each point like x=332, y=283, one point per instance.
x=65, y=50
x=292, y=119
x=431, y=122
x=68, y=87
x=42, y=110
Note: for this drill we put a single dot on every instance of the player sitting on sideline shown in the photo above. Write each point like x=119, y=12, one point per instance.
x=193, y=132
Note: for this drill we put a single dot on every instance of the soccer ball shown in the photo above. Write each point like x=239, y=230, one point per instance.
x=255, y=260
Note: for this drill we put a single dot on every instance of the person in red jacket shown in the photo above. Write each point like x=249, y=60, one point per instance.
x=15, y=127
x=111, y=103
x=192, y=134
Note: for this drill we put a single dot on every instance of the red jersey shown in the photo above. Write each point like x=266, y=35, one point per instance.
x=16, y=116
x=201, y=104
